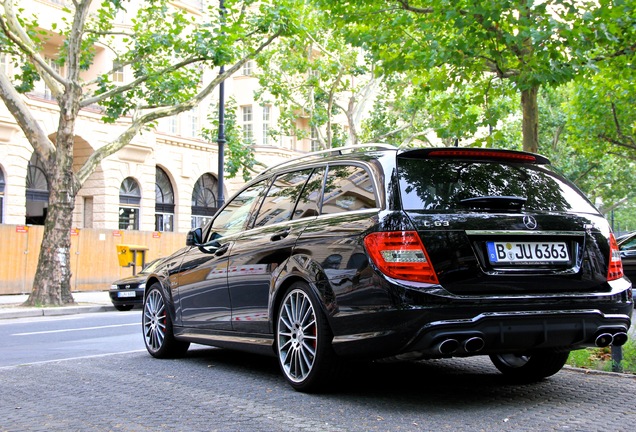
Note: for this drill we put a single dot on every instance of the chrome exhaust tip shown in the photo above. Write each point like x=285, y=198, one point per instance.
x=448, y=346
x=474, y=344
x=619, y=339
x=603, y=340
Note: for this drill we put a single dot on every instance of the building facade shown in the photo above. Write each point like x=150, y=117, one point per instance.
x=166, y=179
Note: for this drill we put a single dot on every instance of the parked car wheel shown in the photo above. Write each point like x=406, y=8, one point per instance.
x=123, y=308
x=532, y=367
x=158, y=334
x=304, y=340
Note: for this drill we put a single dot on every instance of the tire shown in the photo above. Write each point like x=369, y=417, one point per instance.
x=157, y=327
x=303, y=341
x=123, y=308
x=530, y=368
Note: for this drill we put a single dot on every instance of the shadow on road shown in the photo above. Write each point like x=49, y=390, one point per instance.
x=449, y=382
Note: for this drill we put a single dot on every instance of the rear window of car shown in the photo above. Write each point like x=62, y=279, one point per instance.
x=347, y=188
x=442, y=184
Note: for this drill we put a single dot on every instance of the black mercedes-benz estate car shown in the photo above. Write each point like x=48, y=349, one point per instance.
x=382, y=253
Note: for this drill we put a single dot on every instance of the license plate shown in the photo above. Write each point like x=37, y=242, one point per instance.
x=126, y=294
x=527, y=252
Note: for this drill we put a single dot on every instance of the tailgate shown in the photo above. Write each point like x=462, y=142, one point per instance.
x=483, y=254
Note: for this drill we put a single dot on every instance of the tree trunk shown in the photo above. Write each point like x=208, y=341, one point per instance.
x=530, y=123
x=52, y=282
x=353, y=131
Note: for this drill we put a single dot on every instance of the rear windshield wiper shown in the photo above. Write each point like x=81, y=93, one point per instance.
x=495, y=202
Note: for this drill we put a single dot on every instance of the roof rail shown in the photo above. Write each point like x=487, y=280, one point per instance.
x=335, y=151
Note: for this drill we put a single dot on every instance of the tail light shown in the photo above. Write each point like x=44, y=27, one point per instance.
x=615, y=268
x=401, y=255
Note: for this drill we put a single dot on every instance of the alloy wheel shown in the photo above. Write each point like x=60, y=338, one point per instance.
x=297, y=336
x=154, y=321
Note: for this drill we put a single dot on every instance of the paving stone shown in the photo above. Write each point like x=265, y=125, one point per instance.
x=219, y=390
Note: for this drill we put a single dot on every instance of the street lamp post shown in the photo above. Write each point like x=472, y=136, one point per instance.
x=221, y=136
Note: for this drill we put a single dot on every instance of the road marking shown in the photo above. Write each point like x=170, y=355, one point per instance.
x=76, y=329
x=71, y=359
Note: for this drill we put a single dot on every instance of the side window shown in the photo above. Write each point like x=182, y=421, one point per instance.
x=308, y=204
x=629, y=245
x=281, y=198
x=235, y=216
x=348, y=188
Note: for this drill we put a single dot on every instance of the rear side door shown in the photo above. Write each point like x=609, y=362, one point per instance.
x=333, y=244
x=257, y=255
x=203, y=296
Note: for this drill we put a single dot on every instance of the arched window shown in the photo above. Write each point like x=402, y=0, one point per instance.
x=37, y=192
x=2, y=183
x=164, y=204
x=203, y=200
x=129, y=201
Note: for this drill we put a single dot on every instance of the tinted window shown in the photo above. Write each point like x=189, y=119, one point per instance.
x=347, y=188
x=629, y=244
x=310, y=197
x=235, y=216
x=442, y=184
x=281, y=198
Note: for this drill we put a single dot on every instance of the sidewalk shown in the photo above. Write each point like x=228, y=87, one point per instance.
x=86, y=301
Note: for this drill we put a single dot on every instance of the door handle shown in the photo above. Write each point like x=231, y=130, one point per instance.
x=279, y=236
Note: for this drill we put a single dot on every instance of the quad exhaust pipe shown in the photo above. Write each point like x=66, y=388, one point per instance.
x=603, y=340
x=447, y=346
x=619, y=339
x=606, y=339
x=474, y=344
x=470, y=345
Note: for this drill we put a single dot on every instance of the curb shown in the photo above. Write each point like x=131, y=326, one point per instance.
x=54, y=311
x=586, y=371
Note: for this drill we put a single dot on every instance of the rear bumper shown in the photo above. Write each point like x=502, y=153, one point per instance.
x=492, y=333
x=431, y=325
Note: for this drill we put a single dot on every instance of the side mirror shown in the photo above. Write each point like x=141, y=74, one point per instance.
x=194, y=237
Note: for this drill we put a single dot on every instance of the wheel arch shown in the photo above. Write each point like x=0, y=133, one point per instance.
x=294, y=272
x=150, y=282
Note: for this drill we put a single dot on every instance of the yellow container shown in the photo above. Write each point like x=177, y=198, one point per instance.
x=131, y=255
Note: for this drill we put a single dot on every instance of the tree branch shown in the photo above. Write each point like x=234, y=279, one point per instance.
x=11, y=27
x=621, y=138
x=138, y=123
x=110, y=33
x=623, y=51
x=124, y=88
x=29, y=125
x=618, y=143
x=74, y=48
x=380, y=138
x=616, y=121
x=407, y=7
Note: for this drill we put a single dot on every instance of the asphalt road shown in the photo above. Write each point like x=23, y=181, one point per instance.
x=218, y=390
x=31, y=340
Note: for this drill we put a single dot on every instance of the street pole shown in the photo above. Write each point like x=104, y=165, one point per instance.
x=221, y=137
x=617, y=358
